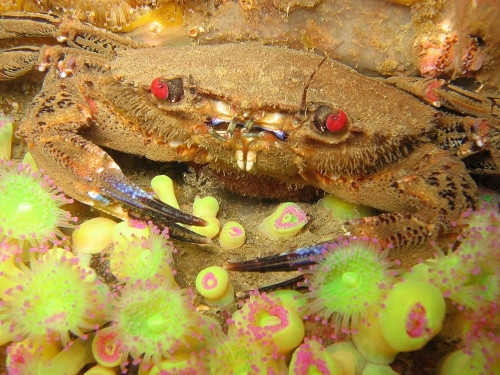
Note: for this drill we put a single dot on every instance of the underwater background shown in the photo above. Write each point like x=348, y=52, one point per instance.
x=84, y=293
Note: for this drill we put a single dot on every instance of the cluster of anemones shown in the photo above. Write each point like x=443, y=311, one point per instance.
x=59, y=316
x=469, y=277
x=49, y=296
x=353, y=287
x=53, y=306
x=152, y=320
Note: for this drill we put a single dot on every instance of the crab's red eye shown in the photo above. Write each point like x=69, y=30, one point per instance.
x=159, y=88
x=330, y=120
x=171, y=90
x=336, y=122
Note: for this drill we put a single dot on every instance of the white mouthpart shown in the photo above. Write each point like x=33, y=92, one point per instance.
x=223, y=108
x=245, y=164
x=174, y=143
x=240, y=161
x=272, y=118
x=479, y=142
x=251, y=159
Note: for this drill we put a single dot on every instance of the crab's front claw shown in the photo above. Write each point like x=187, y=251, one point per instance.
x=87, y=173
x=141, y=205
x=287, y=261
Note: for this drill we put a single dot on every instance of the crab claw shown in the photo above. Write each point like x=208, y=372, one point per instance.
x=296, y=283
x=287, y=261
x=88, y=174
x=143, y=206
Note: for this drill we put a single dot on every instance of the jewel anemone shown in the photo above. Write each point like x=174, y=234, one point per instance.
x=351, y=277
x=213, y=283
x=268, y=322
x=6, y=131
x=239, y=355
x=312, y=358
x=53, y=297
x=45, y=357
x=144, y=255
x=30, y=208
x=286, y=221
x=154, y=321
x=470, y=276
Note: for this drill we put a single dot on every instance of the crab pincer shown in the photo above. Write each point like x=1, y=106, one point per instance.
x=142, y=205
x=287, y=261
x=91, y=176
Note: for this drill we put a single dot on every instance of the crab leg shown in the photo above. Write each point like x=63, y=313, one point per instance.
x=296, y=283
x=399, y=229
x=482, y=133
x=146, y=207
x=439, y=93
x=67, y=30
x=82, y=169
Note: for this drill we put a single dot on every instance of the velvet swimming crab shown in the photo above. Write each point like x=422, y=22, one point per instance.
x=253, y=112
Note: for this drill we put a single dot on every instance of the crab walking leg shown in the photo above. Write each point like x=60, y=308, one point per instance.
x=17, y=61
x=20, y=59
x=439, y=93
x=35, y=24
x=468, y=135
x=67, y=30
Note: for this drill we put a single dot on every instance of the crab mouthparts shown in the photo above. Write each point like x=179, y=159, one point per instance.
x=248, y=129
x=245, y=161
x=223, y=130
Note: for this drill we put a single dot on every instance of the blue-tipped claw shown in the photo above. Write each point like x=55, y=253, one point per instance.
x=144, y=206
x=288, y=261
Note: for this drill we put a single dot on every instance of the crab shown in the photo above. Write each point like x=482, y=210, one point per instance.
x=254, y=113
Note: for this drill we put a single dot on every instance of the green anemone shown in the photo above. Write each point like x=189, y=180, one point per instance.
x=155, y=321
x=30, y=208
x=351, y=277
x=53, y=296
x=240, y=355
